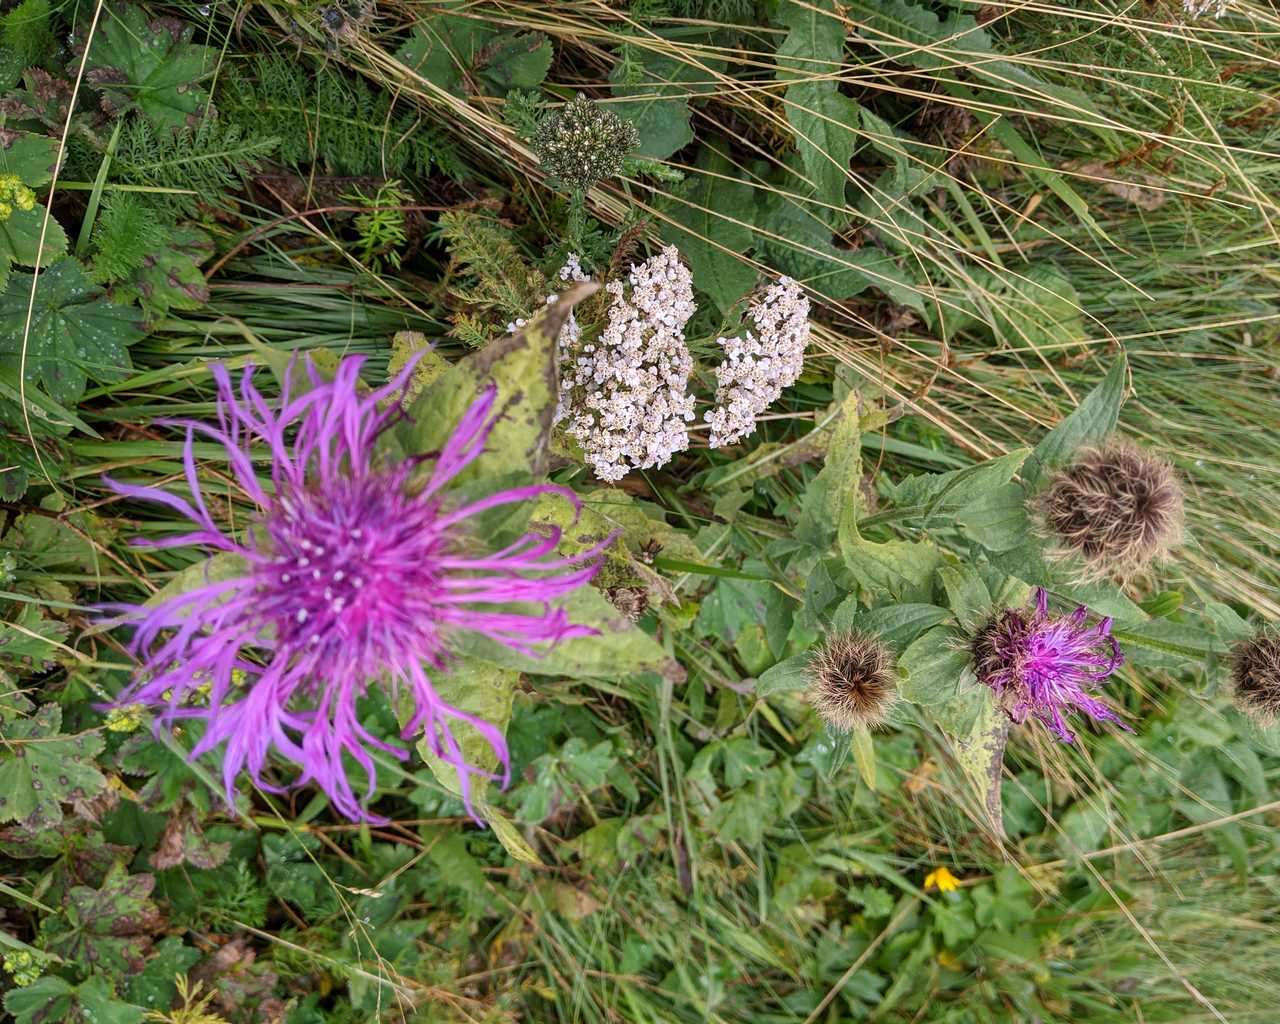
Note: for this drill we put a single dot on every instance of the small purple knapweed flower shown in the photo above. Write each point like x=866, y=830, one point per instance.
x=355, y=572
x=1043, y=666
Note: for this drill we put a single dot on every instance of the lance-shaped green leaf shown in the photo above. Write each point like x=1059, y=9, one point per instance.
x=898, y=625
x=1091, y=423
x=980, y=753
x=864, y=753
x=825, y=121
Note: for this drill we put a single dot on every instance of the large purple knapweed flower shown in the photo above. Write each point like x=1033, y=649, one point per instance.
x=1043, y=666
x=354, y=572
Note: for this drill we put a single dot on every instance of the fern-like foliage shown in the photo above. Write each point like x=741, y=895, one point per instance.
x=26, y=31
x=488, y=279
x=126, y=232
x=197, y=165
x=331, y=121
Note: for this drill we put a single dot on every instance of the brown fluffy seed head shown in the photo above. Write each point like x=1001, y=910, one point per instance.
x=1255, y=670
x=852, y=680
x=1117, y=509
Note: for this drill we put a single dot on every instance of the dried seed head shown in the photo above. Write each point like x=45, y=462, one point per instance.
x=1117, y=509
x=851, y=680
x=1255, y=670
x=584, y=143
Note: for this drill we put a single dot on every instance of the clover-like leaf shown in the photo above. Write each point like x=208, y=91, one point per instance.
x=74, y=334
x=40, y=768
x=448, y=49
x=149, y=65
x=109, y=928
x=30, y=156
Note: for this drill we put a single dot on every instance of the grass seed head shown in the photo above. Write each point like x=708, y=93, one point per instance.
x=852, y=681
x=1117, y=510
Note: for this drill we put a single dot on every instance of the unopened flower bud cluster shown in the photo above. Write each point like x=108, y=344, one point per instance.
x=584, y=143
x=624, y=396
x=761, y=362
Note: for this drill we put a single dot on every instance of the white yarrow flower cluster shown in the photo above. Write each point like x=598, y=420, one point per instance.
x=1199, y=8
x=763, y=362
x=625, y=395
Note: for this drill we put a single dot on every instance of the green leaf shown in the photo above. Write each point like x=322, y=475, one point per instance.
x=511, y=838
x=47, y=1000
x=998, y=520
x=619, y=648
x=864, y=754
x=153, y=985
x=980, y=753
x=824, y=119
x=448, y=849
x=1084, y=826
x=658, y=104
x=1091, y=423
x=710, y=222
x=833, y=494
x=30, y=156
x=150, y=66
x=75, y=335
x=476, y=688
x=214, y=569
x=30, y=642
x=523, y=367
x=451, y=51
x=960, y=487
x=108, y=928
x=940, y=681
x=40, y=768
x=967, y=594
x=903, y=568
x=787, y=676
x=588, y=766
x=797, y=241
x=1226, y=622
x=170, y=277
x=1040, y=308
x=898, y=625
x=20, y=240
x=515, y=60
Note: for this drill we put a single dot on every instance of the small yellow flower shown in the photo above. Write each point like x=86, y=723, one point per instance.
x=942, y=880
x=950, y=962
x=14, y=193
x=124, y=719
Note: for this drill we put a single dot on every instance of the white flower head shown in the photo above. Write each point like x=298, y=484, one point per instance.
x=768, y=357
x=1199, y=8
x=625, y=397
